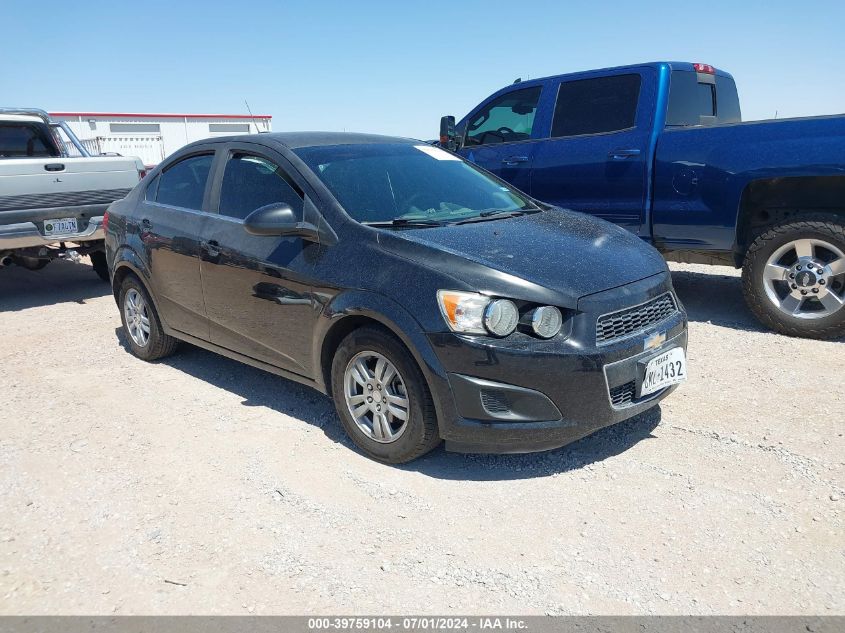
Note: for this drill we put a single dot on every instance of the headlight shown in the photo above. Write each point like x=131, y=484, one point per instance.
x=546, y=321
x=501, y=317
x=463, y=311
x=473, y=313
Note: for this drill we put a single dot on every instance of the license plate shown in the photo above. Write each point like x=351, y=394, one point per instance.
x=63, y=226
x=661, y=371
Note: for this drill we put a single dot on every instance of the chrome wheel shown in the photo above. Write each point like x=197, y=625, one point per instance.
x=806, y=279
x=376, y=396
x=137, y=317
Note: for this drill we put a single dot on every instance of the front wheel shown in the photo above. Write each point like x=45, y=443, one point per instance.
x=794, y=277
x=382, y=398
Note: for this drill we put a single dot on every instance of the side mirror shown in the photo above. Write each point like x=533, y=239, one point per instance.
x=448, y=137
x=279, y=220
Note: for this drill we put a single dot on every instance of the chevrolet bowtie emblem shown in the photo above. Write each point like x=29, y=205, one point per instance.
x=654, y=341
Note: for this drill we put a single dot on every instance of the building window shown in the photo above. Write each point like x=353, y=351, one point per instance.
x=228, y=128
x=134, y=128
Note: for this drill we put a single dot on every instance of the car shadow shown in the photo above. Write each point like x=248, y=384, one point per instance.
x=259, y=388
x=715, y=298
x=60, y=282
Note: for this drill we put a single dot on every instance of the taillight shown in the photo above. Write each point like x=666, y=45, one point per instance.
x=704, y=68
x=106, y=221
x=141, y=174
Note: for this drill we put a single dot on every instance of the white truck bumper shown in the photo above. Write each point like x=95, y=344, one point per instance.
x=27, y=235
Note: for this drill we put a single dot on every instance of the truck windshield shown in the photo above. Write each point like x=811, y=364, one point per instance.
x=402, y=183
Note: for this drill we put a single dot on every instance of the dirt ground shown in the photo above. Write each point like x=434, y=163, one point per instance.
x=199, y=485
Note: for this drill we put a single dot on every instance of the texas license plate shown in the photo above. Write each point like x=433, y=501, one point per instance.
x=669, y=368
x=63, y=226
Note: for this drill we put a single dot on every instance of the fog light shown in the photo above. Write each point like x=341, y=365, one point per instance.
x=501, y=317
x=546, y=321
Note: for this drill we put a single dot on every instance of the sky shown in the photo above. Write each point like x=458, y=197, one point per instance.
x=397, y=67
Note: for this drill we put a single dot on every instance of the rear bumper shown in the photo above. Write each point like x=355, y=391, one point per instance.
x=29, y=234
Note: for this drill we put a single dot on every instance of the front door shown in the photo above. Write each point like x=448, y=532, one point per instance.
x=257, y=288
x=594, y=159
x=498, y=136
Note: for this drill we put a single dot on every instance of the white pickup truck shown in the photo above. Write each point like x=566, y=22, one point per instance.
x=53, y=193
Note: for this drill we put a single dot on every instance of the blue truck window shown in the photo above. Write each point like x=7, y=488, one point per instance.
x=595, y=106
x=506, y=119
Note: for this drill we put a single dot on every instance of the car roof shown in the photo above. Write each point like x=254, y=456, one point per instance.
x=297, y=140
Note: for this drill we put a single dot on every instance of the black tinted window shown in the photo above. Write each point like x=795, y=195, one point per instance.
x=506, y=119
x=23, y=139
x=592, y=106
x=251, y=182
x=183, y=184
x=690, y=99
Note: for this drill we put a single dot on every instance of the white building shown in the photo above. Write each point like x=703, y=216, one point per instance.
x=151, y=137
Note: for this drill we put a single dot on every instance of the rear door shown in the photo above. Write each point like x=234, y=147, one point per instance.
x=169, y=221
x=257, y=288
x=498, y=136
x=595, y=157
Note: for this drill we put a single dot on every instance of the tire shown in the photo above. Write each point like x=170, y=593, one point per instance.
x=31, y=263
x=98, y=262
x=419, y=433
x=157, y=344
x=818, y=229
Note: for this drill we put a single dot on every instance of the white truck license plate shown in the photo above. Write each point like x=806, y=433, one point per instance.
x=661, y=371
x=62, y=226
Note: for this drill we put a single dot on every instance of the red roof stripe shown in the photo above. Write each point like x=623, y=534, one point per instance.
x=147, y=115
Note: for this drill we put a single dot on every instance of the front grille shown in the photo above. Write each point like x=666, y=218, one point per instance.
x=617, y=325
x=623, y=394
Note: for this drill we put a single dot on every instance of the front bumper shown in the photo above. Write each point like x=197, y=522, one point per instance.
x=521, y=394
x=29, y=234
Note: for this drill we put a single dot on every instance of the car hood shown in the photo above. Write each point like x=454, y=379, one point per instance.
x=568, y=253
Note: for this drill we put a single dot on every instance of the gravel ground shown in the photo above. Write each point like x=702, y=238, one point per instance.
x=199, y=485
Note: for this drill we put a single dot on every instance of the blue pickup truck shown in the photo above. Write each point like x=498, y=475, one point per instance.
x=660, y=149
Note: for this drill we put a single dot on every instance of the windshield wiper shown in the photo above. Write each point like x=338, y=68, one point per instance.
x=495, y=214
x=404, y=222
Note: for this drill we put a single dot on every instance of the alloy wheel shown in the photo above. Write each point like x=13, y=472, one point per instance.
x=376, y=396
x=805, y=278
x=137, y=317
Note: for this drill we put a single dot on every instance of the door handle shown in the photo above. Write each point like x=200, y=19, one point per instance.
x=54, y=167
x=212, y=247
x=622, y=154
x=513, y=160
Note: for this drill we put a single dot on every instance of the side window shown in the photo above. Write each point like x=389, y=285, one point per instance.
x=22, y=139
x=506, y=119
x=152, y=190
x=183, y=184
x=594, y=106
x=251, y=182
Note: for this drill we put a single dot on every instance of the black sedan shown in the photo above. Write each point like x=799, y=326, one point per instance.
x=430, y=299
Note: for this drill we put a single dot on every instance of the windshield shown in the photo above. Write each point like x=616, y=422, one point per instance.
x=404, y=183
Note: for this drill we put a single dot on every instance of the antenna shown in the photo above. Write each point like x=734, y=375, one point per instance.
x=252, y=115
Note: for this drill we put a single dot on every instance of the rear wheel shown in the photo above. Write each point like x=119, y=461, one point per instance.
x=141, y=325
x=794, y=277
x=382, y=398
x=98, y=262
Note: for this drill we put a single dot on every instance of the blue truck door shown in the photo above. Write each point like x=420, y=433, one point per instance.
x=498, y=136
x=596, y=154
